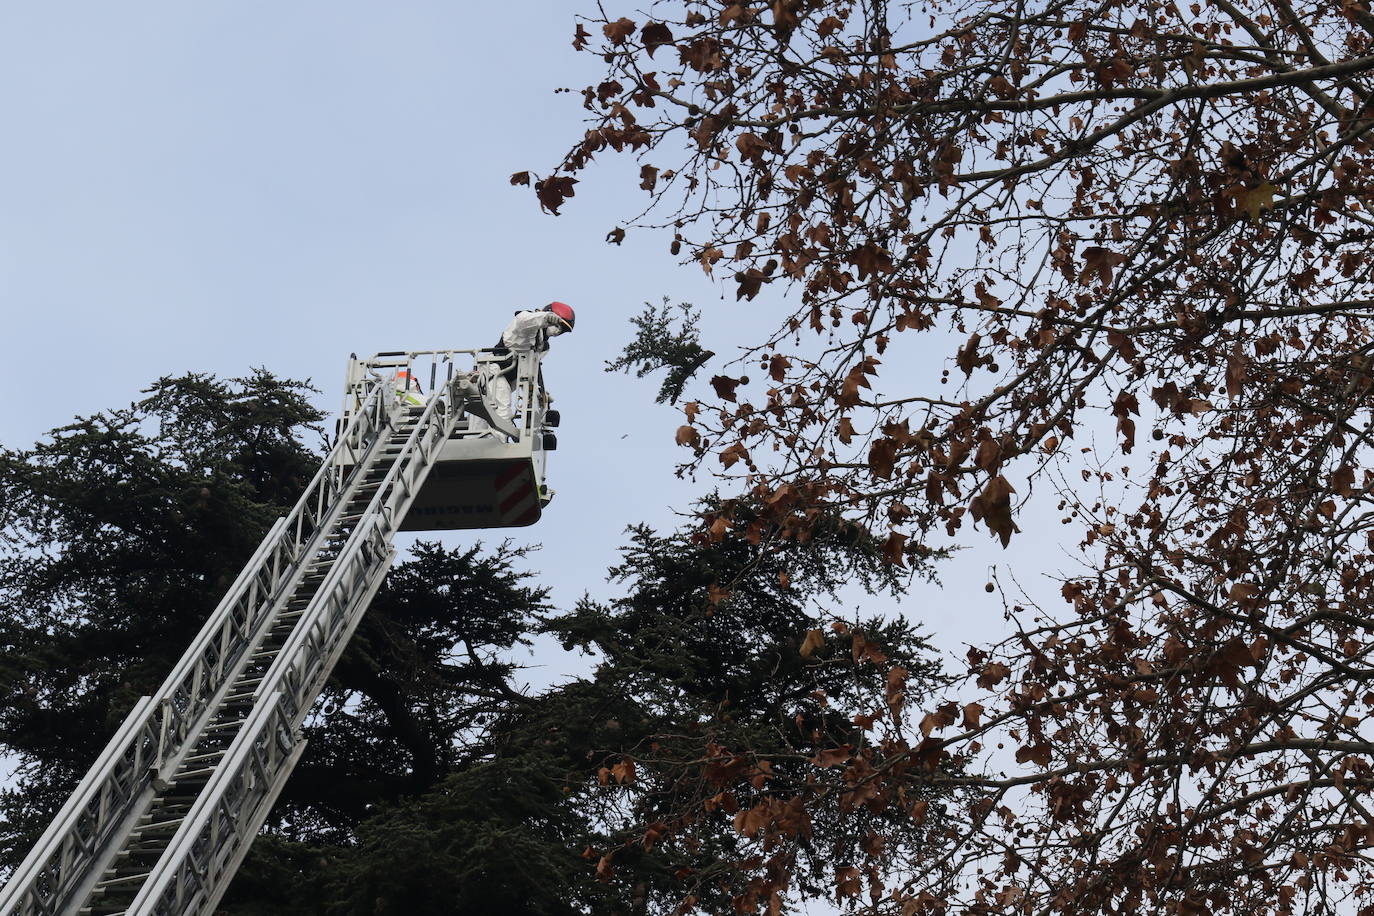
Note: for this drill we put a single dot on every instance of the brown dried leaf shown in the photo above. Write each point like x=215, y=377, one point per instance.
x=882, y=457
x=894, y=549
x=624, y=771
x=616, y=32
x=654, y=36
x=844, y=430
x=725, y=386
x=832, y=757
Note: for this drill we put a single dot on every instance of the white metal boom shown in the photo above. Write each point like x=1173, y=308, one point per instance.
x=163, y=818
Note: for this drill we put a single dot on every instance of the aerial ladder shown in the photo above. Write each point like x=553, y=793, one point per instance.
x=164, y=817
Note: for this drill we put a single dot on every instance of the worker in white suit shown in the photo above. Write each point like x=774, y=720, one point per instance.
x=530, y=329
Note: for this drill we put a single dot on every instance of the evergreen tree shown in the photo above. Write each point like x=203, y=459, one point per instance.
x=120, y=532
x=575, y=807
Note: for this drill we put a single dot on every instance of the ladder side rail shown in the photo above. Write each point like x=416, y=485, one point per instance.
x=308, y=654
x=196, y=672
x=211, y=843
x=120, y=776
x=286, y=571
x=254, y=811
x=442, y=406
x=37, y=880
x=251, y=753
x=184, y=694
x=364, y=425
x=305, y=661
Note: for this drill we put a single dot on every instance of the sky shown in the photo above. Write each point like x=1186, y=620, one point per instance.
x=216, y=186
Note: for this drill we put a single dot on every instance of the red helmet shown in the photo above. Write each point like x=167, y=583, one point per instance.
x=564, y=311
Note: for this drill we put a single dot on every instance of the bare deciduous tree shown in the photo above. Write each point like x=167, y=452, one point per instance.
x=1148, y=216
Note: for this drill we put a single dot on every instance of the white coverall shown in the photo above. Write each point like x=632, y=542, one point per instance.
x=528, y=330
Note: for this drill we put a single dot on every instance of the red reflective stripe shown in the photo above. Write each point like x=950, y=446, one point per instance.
x=516, y=498
x=506, y=477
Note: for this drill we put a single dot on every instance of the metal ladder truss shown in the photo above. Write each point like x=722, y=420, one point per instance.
x=163, y=818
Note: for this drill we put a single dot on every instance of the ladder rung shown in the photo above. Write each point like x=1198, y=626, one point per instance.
x=159, y=827
x=142, y=851
x=197, y=758
x=131, y=878
x=221, y=726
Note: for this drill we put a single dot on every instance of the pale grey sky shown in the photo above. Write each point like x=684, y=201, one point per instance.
x=219, y=185
x=216, y=185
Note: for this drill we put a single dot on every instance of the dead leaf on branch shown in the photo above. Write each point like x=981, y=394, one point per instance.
x=1100, y=263
x=993, y=508
x=882, y=457
x=1255, y=200
x=946, y=715
x=856, y=378
x=993, y=674
x=1343, y=480
x=832, y=757
x=967, y=358
x=752, y=146
x=871, y=260
x=895, y=691
x=749, y=821
x=616, y=32
x=844, y=429
x=553, y=191
x=624, y=771
x=814, y=640
x=894, y=550
x=708, y=257
x=734, y=454
x=1039, y=753
x=725, y=386
x=1237, y=366
x=654, y=36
